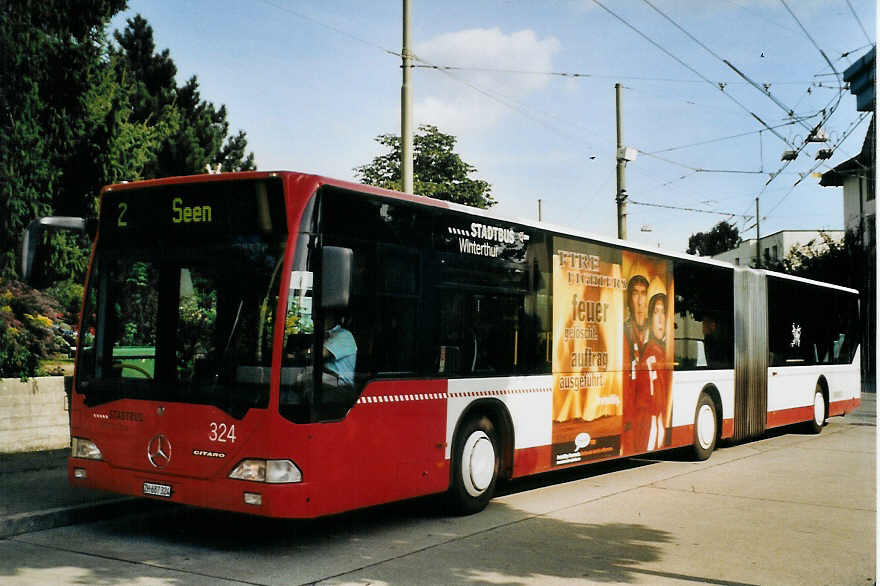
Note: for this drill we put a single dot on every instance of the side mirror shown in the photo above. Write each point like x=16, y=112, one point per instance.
x=30, y=241
x=335, y=276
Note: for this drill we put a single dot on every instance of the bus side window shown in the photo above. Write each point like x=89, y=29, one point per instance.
x=703, y=316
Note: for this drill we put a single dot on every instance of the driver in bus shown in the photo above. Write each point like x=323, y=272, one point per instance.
x=340, y=353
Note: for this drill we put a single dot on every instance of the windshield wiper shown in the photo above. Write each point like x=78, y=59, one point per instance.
x=222, y=359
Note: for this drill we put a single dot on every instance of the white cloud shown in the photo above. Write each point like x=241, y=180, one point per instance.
x=458, y=100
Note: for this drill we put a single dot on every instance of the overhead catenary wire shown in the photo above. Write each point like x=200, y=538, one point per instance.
x=679, y=98
x=505, y=102
x=330, y=27
x=713, y=140
x=745, y=8
x=859, y=20
x=766, y=91
x=685, y=209
x=511, y=104
x=508, y=103
x=851, y=51
x=669, y=182
x=812, y=40
x=849, y=131
x=692, y=70
x=581, y=74
x=827, y=112
x=763, y=89
x=701, y=169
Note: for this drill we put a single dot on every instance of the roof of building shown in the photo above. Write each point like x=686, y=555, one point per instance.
x=862, y=163
x=860, y=76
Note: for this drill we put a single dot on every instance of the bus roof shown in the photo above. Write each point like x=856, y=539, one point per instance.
x=319, y=180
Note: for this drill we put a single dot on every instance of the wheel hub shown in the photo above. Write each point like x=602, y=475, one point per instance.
x=705, y=427
x=478, y=463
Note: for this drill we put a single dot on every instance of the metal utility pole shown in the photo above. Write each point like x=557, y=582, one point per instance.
x=539, y=209
x=758, y=238
x=406, y=139
x=621, y=166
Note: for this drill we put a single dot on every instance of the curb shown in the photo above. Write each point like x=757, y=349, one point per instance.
x=70, y=515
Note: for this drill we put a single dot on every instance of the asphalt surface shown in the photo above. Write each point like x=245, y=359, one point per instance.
x=35, y=493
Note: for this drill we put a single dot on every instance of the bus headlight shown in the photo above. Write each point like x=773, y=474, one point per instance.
x=81, y=447
x=282, y=472
x=270, y=471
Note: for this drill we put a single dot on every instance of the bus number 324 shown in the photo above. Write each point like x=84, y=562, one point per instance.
x=221, y=433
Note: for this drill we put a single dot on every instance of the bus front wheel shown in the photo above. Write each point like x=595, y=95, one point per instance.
x=705, y=428
x=475, y=465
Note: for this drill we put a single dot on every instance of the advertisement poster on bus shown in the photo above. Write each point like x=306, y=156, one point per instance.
x=613, y=344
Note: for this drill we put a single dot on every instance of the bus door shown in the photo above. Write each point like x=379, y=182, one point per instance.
x=751, y=353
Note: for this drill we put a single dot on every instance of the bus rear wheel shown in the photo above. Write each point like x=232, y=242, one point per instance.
x=475, y=464
x=705, y=428
x=819, y=411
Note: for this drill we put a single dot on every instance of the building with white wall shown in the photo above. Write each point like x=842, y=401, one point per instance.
x=857, y=177
x=774, y=247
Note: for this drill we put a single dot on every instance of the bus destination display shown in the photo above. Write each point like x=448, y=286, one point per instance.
x=191, y=212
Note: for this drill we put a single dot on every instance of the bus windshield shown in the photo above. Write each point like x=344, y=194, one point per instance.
x=179, y=318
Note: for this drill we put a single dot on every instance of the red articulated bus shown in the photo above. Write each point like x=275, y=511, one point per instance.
x=289, y=345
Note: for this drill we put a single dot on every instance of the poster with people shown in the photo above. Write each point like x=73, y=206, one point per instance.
x=613, y=348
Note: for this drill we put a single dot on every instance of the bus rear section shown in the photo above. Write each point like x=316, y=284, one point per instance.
x=813, y=352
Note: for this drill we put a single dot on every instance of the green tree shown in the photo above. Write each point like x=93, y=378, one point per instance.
x=438, y=170
x=842, y=262
x=78, y=113
x=48, y=56
x=202, y=136
x=120, y=146
x=721, y=238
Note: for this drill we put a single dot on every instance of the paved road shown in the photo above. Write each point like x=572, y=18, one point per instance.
x=789, y=508
x=865, y=414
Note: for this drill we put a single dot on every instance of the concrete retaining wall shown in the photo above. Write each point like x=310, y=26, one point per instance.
x=33, y=415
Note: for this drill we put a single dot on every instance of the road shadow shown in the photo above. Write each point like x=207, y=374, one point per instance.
x=502, y=545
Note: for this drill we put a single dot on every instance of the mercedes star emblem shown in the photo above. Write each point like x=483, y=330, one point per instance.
x=159, y=451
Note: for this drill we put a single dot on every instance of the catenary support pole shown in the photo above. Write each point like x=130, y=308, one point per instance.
x=406, y=139
x=758, y=237
x=621, y=167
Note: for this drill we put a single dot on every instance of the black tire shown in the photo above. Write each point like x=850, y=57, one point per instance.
x=476, y=461
x=820, y=411
x=705, y=428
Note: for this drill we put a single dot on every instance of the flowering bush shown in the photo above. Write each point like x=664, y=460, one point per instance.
x=29, y=321
x=69, y=295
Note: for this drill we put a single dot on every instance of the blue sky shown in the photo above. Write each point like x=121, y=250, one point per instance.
x=313, y=83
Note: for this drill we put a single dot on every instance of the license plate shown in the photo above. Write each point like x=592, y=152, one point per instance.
x=153, y=489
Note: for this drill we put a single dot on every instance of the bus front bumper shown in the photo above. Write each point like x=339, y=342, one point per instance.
x=291, y=500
